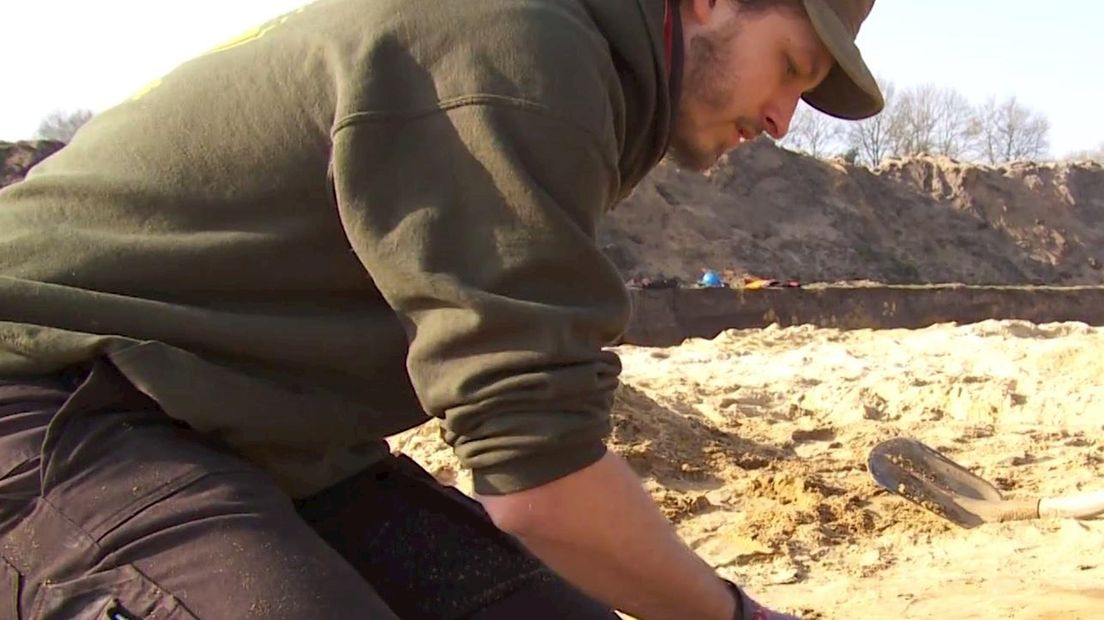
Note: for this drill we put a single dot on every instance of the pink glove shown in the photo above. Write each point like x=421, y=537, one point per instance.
x=750, y=610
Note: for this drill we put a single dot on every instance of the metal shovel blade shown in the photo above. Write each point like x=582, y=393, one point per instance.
x=929, y=479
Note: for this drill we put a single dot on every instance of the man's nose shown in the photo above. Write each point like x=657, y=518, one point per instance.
x=777, y=117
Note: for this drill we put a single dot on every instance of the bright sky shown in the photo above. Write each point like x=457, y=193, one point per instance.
x=67, y=54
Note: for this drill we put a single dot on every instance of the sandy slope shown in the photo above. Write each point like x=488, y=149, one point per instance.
x=755, y=443
x=779, y=214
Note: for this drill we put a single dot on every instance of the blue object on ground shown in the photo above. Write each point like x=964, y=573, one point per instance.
x=711, y=279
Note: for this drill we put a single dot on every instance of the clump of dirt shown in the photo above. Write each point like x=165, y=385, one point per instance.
x=678, y=444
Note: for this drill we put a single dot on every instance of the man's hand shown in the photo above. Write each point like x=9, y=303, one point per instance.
x=601, y=531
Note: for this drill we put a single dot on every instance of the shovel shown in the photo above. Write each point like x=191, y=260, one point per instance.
x=926, y=477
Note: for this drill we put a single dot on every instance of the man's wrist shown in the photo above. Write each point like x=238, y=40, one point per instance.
x=745, y=608
x=738, y=597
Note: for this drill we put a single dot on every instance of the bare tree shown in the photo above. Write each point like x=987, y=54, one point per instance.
x=814, y=132
x=62, y=126
x=927, y=120
x=1008, y=131
x=871, y=138
x=931, y=121
x=914, y=122
x=954, y=131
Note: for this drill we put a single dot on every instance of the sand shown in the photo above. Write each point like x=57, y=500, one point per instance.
x=754, y=444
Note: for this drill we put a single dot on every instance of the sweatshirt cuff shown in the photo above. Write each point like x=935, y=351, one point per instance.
x=535, y=470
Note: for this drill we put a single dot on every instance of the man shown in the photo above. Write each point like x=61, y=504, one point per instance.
x=218, y=300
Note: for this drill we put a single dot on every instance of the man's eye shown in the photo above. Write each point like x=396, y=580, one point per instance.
x=791, y=68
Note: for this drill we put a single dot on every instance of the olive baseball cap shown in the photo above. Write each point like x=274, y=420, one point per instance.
x=850, y=91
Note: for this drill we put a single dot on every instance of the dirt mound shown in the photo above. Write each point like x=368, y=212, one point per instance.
x=16, y=158
x=1015, y=402
x=771, y=212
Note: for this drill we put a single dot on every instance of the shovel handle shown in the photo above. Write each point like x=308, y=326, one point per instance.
x=1017, y=510
x=989, y=511
x=1083, y=506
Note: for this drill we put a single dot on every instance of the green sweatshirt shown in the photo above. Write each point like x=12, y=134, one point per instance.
x=356, y=216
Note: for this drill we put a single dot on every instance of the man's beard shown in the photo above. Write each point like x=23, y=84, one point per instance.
x=706, y=87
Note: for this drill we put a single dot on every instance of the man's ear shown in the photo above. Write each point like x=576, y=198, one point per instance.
x=700, y=11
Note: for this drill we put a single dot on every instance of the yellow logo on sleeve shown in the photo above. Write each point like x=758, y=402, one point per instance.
x=246, y=37
x=255, y=33
x=147, y=89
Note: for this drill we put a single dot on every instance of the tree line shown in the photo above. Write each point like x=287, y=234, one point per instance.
x=928, y=120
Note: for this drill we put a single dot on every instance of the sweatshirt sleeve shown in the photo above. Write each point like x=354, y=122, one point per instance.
x=476, y=222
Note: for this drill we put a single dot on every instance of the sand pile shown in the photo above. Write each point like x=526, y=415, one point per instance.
x=755, y=444
x=779, y=214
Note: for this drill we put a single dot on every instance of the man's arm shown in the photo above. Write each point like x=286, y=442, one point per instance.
x=600, y=530
x=476, y=220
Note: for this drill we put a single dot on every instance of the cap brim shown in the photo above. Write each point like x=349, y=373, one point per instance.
x=850, y=91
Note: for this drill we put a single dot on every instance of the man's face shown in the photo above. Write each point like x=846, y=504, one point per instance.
x=744, y=73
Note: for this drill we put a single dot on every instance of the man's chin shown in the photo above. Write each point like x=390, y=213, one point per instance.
x=689, y=158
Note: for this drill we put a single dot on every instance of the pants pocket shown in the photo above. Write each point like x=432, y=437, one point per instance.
x=9, y=590
x=122, y=593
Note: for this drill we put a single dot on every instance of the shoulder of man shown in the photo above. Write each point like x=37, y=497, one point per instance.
x=548, y=55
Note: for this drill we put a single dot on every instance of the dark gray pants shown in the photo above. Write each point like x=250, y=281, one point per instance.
x=110, y=510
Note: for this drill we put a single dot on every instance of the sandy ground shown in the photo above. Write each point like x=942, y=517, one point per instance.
x=755, y=445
